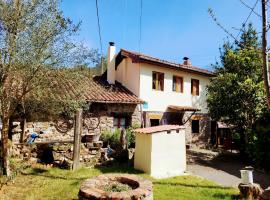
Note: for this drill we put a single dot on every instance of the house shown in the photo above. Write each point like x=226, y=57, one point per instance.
x=172, y=93
x=143, y=90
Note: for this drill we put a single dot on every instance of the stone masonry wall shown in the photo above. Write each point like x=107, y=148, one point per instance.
x=202, y=138
x=102, y=120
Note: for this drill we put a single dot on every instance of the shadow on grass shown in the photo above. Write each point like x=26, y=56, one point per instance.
x=118, y=168
x=190, y=185
x=115, y=168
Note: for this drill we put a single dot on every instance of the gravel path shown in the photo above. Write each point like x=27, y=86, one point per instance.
x=222, y=169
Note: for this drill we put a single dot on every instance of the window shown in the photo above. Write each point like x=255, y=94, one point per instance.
x=158, y=81
x=154, y=122
x=178, y=85
x=120, y=122
x=195, y=126
x=195, y=87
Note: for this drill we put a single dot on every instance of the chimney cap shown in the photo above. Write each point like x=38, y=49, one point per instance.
x=111, y=43
x=186, y=58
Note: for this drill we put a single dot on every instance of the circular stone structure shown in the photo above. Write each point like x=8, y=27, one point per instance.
x=138, y=188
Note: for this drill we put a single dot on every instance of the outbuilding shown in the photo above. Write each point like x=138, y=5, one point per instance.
x=161, y=150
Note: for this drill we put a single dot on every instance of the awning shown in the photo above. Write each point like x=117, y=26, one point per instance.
x=183, y=108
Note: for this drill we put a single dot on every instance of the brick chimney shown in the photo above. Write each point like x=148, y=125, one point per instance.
x=186, y=61
x=111, y=64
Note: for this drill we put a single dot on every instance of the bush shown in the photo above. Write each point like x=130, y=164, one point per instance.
x=258, y=148
x=113, y=137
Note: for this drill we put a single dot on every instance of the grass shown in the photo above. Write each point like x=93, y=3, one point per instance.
x=39, y=183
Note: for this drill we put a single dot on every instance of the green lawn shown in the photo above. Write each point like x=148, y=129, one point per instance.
x=53, y=183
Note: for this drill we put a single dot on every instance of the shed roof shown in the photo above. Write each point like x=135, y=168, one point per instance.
x=155, y=129
x=139, y=57
x=99, y=90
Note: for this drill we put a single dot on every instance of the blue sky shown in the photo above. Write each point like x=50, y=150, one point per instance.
x=171, y=29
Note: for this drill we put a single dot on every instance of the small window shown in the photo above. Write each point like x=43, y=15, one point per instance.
x=195, y=126
x=120, y=122
x=158, y=81
x=195, y=85
x=178, y=84
x=154, y=122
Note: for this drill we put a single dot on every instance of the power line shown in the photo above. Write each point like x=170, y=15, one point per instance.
x=140, y=34
x=99, y=30
x=249, y=7
x=250, y=13
x=100, y=40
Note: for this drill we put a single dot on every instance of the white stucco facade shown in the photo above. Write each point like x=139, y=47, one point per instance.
x=161, y=154
x=160, y=100
x=137, y=77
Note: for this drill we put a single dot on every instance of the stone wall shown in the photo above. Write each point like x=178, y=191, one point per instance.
x=201, y=139
x=101, y=119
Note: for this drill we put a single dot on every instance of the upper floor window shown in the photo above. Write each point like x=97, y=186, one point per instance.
x=158, y=81
x=195, y=85
x=178, y=84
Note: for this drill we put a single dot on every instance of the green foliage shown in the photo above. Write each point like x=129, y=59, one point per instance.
x=236, y=95
x=112, y=138
x=116, y=187
x=54, y=183
x=258, y=148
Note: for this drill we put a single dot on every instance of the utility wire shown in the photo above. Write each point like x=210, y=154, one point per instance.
x=250, y=13
x=249, y=7
x=140, y=34
x=99, y=33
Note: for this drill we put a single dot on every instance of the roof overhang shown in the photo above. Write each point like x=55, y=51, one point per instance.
x=156, y=129
x=183, y=108
x=137, y=57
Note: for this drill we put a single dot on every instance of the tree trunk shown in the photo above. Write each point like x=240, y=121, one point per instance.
x=5, y=146
x=23, y=126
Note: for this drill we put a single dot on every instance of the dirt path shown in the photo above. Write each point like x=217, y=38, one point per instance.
x=222, y=169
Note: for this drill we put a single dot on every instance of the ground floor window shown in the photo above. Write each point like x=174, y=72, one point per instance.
x=154, y=122
x=120, y=122
x=195, y=126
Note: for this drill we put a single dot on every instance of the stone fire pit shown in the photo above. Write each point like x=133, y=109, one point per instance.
x=116, y=187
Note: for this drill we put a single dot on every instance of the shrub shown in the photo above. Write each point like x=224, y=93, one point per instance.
x=111, y=137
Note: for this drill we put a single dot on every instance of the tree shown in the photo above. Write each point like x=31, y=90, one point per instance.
x=236, y=95
x=35, y=45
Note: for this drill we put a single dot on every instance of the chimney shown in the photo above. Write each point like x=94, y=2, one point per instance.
x=186, y=61
x=111, y=64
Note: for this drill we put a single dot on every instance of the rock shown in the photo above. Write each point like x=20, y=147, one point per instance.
x=266, y=194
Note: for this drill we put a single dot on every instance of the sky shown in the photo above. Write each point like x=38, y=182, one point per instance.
x=170, y=29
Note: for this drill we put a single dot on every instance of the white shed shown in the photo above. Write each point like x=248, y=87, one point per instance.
x=161, y=150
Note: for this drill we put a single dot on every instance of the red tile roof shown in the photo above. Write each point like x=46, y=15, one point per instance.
x=138, y=57
x=96, y=89
x=155, y=129
x=183, y=108
x=99, y=90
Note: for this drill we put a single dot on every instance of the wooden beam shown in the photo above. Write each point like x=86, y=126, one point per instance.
x=77, y=139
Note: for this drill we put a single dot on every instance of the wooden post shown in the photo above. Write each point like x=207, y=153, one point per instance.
x=77, y=139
